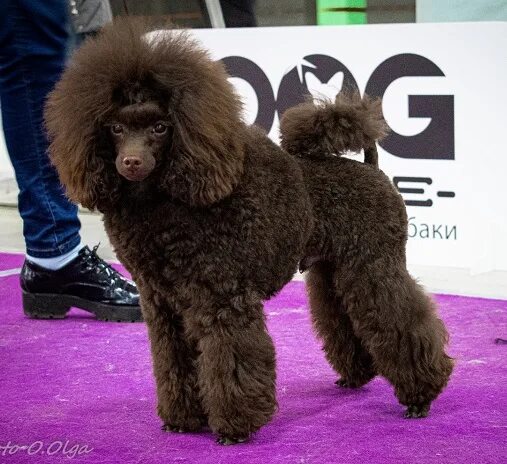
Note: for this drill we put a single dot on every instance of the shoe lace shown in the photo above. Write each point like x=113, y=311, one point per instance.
x=95, y=262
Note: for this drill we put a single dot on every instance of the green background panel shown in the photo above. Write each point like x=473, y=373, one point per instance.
x=326, y=16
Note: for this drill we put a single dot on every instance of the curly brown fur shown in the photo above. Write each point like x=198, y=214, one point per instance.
x=365, y=269
x=350, y=123
x=211, y=218
x=343, y=349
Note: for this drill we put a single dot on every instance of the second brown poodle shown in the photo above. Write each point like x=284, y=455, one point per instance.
x=211, y=218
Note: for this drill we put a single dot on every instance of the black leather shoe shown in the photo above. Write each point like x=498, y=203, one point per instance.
x=87, y=282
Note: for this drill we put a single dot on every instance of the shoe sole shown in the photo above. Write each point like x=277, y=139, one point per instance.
x=54, y=306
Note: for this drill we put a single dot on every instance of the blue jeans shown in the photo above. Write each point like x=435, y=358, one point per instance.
x=33, y=46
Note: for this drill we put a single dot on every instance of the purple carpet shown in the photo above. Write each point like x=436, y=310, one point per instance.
x=82, y=388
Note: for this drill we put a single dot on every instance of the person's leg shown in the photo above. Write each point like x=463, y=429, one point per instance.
x=58, y=273
x=33, y=46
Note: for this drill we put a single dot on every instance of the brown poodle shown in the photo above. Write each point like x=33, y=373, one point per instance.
x=211, y=218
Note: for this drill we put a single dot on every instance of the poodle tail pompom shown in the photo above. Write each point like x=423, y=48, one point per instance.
x=349, y=124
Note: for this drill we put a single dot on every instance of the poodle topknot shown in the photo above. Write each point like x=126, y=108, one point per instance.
x=212, y=218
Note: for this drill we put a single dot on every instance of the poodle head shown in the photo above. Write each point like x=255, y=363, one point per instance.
x=145, y=110
x=140, y=132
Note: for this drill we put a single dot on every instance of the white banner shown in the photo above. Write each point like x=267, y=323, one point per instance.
x=444, y=89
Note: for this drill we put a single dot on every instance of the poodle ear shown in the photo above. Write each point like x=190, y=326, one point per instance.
x=74, y=151
x=204, y=167
x=209, y=139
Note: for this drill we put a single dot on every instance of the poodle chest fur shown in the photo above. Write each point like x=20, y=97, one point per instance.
x=250, y=242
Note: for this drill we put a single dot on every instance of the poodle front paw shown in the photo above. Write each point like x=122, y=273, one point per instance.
x=352, y=383
x=189, y=425
x=174, y=428
x=417, y=411
x=226, y=440
x=345, y=383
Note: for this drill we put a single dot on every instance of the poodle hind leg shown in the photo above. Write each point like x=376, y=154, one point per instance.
x=178, y=401
x=398, y=323
x=344, y=350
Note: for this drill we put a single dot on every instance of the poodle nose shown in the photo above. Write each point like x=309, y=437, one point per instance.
x=132, y=162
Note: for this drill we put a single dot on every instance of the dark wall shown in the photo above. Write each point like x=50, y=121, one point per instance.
x=192, y=13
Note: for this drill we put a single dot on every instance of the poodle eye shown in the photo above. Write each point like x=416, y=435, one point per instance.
x=159, y=128
x=117, y=129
